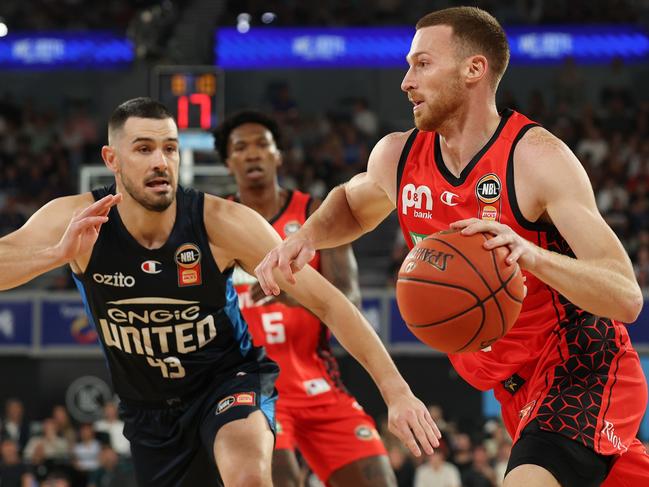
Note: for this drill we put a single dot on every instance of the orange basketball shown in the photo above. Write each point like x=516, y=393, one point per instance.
x=455, y=295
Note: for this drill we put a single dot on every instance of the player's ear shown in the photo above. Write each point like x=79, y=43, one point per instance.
x=110, y=157
x=475, y=68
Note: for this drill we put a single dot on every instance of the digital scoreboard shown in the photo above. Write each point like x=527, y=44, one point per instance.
x=193, y=94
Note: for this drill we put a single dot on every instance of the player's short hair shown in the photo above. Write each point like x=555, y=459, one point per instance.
x=223, y=131
x=478, y=32
x=141, y=107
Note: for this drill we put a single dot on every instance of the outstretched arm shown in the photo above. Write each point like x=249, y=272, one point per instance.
x=601, y=279
x=58, y=233
x=349, y=211
x=409, y=418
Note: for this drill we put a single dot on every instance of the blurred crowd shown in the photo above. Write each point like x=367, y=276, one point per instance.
x=118, y=14
x=57, y=452
x=407, y=12
x=70, y=14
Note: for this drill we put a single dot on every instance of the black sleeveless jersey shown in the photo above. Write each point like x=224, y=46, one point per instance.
x=168, y=319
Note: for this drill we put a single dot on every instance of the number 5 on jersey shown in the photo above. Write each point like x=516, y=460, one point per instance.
x=274, y=327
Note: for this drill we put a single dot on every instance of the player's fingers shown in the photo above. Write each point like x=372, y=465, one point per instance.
x=284, y=265
x=303, y=258
x=429, y=419
x=98, y=206
x=514, y=255
x=265, y=269
x=463, y=223
x=498, y=241
x=473, y=228
x=90, y=221
x=402, y=431
x=424, y=434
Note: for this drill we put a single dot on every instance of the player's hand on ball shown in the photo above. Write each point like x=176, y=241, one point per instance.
x=521, y=251
x=83, y=229
x=410, y=421
x=289, y=257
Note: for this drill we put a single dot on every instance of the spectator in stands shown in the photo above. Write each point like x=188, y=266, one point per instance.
x=86, y=451
x=365, y=120
x=64, y=427
x=55, y=447
x=593, y=145
x=111, y=472
x=480, y=473
x=401, y=462
x=14, y=425
x=502, y=458
x=39, y=466
x=13, y=472
x=437, y=471
x=462, y=449
x=114, y=427
x=58, y=479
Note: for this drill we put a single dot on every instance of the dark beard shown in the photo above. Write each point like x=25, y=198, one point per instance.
x=158, y=205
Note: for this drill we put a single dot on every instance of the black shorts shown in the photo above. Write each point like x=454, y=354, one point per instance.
x=569, y=461
x=172, y=443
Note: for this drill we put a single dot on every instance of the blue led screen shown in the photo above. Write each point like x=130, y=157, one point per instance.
x=54, y=50
x=271, y=47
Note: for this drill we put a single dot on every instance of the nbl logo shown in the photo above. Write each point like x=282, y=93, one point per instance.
x=415, y=197
x=488, y=188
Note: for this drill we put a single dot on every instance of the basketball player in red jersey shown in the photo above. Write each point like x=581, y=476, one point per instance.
x=569, y=382
x=314, y=411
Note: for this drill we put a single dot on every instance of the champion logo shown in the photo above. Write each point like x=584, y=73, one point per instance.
x=151, y=267
x=447, y=198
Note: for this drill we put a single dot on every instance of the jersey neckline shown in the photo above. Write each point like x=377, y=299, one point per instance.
x=131, y=239
x=280, y=212
x=439, y=159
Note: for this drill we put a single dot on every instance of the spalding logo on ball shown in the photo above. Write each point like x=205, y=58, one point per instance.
x=455, y=295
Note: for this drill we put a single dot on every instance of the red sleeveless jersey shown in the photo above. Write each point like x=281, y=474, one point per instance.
x=430, y=198
x=293, y=336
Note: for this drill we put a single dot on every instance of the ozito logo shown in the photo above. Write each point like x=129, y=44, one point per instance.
x=488, y=188
x=116, y=280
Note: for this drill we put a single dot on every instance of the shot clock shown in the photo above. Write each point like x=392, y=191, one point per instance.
x=193, y=94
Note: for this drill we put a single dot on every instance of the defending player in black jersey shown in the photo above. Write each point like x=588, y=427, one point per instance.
x=153, y=262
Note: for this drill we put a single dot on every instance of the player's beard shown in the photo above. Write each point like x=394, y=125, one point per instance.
x=158, y=202
x=443, y=107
